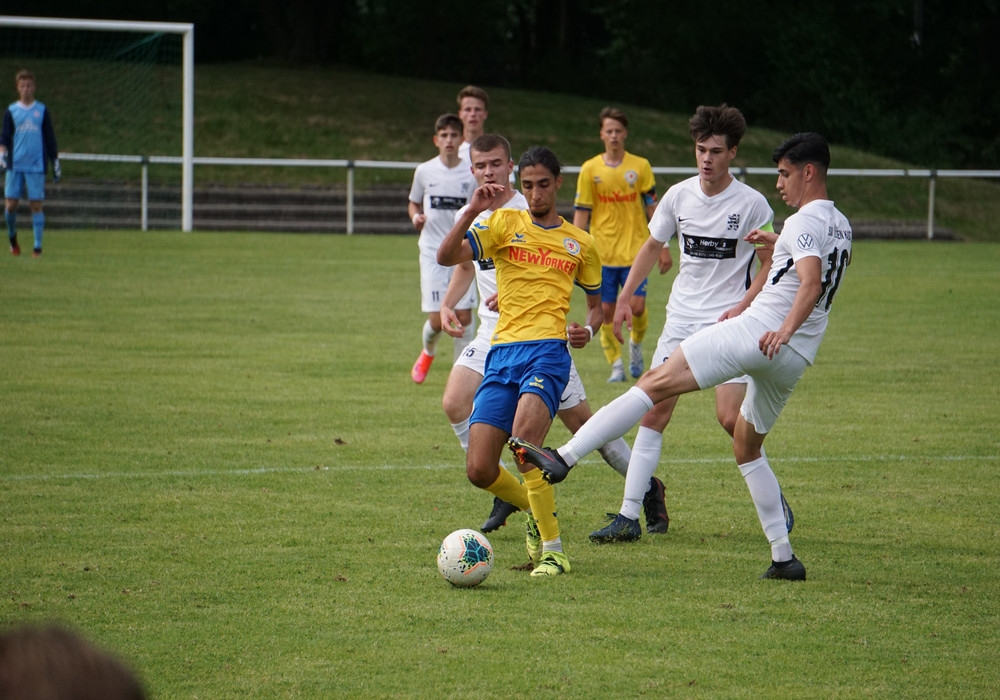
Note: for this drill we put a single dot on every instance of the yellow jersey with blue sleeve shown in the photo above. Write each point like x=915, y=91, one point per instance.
x=536, y=269
x=616, y=198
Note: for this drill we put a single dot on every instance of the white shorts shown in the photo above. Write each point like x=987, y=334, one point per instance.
x=673, y=335
x=474, y=358
x=434, y=281
x=728, y=349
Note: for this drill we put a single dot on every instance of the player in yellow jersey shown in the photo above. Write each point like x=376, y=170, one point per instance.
x=539, y=257
x=615, y=198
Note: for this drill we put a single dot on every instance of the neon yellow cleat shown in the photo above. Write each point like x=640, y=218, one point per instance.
x=552, y=564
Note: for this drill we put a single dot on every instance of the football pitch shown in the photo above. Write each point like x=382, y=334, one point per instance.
x=213, y=462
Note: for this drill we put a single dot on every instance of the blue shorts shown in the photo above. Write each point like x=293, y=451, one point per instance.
x=540, y=367
x=17, y=182
x=613, y=279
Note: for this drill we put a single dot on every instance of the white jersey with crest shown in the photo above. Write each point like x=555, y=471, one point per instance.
x=716, y=265
x=817, y=229
x=486, y=273
x=442, y=191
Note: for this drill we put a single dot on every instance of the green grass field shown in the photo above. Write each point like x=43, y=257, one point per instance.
x=213, y=462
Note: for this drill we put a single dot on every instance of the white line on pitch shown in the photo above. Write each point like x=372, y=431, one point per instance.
x=457, y=465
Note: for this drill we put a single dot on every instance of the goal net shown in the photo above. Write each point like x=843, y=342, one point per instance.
x=117, y=92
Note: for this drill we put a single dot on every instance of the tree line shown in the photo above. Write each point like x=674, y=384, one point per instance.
x=911, y=79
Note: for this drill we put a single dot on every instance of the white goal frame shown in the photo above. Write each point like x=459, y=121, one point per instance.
x=187, y=109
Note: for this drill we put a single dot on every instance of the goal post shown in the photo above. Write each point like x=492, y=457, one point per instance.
x=186, y=32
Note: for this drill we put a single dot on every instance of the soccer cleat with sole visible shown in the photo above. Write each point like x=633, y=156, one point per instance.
x=421, y=367
x=552, y=564
x=621, y=529
x=654, y=505
x=551, y=464
x=617, y=372
x=498, y=516
x=791, y=570
x=532, y=539
x=789, y=516
x=635, y=364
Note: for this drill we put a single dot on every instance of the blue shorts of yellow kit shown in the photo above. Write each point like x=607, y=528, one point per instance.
x=19, y=184
x=538, y=367
x=613, y=279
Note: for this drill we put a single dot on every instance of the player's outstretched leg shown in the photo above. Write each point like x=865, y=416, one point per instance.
x=498, y=516
x=654, y=505
x=548, y=461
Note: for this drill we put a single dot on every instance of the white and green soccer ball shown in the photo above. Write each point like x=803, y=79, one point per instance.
x=465, y=558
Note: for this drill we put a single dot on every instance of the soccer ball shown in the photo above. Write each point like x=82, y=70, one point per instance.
x=465, y=558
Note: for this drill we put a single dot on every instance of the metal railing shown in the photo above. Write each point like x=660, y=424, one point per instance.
x=350, y=166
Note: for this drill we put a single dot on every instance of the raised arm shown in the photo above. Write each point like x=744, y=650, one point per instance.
x=455, y=248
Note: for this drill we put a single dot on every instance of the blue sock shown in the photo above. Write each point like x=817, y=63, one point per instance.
x=11, y=218
x=38, y=223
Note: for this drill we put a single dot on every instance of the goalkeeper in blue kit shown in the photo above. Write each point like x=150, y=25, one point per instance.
x=27, y=144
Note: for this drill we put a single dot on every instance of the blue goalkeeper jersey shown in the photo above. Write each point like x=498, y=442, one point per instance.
x=29, y=138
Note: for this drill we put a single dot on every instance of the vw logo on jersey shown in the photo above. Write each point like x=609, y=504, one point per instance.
x=805, y=241
x=572, y=246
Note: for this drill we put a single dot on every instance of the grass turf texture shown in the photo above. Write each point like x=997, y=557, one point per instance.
x=214, y=463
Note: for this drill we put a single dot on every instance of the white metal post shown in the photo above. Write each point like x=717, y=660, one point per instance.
x=930, y=205
x=187, y=151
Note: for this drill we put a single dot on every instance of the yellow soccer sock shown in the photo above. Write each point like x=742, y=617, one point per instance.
x=609, y=343
x=508, y=488
x=639, y=325
x=542, y=497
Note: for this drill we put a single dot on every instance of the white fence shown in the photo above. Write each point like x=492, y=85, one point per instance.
x=350, y=166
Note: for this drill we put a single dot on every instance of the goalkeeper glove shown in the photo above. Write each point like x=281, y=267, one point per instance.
x=56, y=171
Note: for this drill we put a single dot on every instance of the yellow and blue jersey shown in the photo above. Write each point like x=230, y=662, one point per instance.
x=615, y=197
x=536, y=269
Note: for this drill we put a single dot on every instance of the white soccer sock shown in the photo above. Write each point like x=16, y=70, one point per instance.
x=430, y=338
x=766, y=495
x=617, y=454
x=552, y=545
x=462, y=433
x=645, y=457
x=612, y=421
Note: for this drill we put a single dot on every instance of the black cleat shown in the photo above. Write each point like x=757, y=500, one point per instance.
x=498, y=516
x=654, y=505
x=791, y=570
x=552, y=466
x=621, y=529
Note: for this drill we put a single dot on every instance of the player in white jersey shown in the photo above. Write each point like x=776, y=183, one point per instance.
x=491, y=162
x=441, y=186
x=773, y=342
x=710, y=213
x=473, y=109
